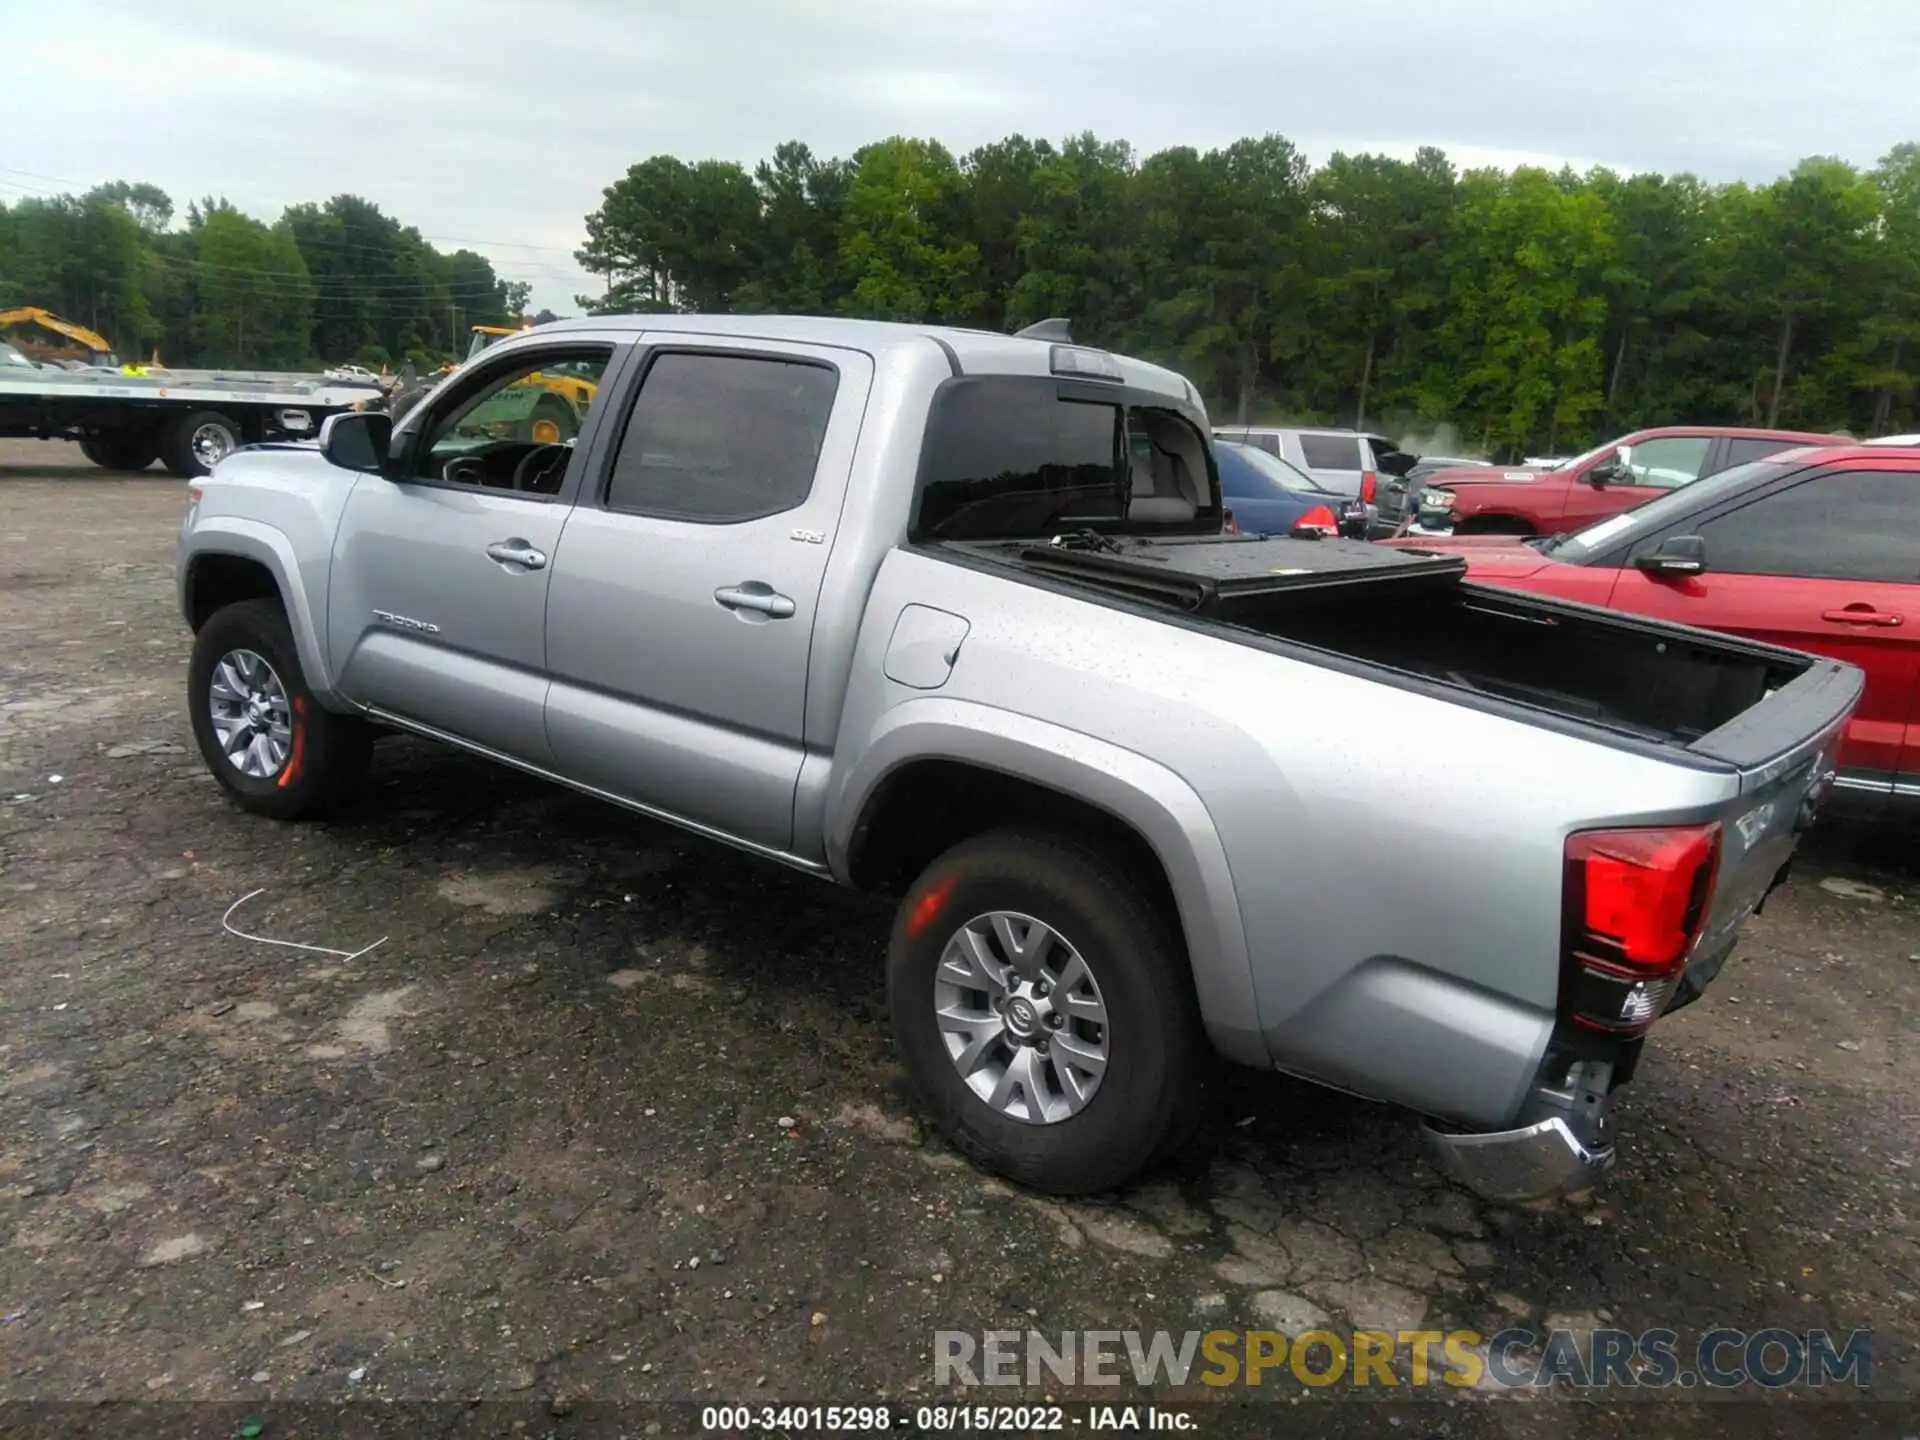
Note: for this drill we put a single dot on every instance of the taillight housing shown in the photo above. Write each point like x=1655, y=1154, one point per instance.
x=1369, y=487
x=1318, y=521
x=1634, y=903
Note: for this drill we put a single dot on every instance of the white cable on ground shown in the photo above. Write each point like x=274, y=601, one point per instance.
x=226, y=925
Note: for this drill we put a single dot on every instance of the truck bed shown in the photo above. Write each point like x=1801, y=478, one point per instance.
x=1414, y=615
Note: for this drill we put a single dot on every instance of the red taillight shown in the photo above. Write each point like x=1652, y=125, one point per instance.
x=1634, y=904
x=1369, y=487
x=1317, y=521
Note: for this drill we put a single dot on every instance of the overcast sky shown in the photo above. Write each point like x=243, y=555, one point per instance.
x=497, y=123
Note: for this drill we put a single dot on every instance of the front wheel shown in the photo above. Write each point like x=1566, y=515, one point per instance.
x=268, y=742
x=1045, y=1013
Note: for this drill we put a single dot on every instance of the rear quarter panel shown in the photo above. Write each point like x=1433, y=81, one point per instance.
x=1435, y=990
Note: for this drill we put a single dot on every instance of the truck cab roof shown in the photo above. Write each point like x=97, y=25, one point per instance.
x=968, y=352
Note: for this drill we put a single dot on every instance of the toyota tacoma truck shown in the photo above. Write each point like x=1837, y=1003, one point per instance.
x=953, y=616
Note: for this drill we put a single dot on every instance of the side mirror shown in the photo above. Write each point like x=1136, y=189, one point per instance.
x=357, y=439
x=1617, y=466
x=1674, y=557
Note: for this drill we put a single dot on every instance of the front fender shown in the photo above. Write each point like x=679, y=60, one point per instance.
x=1155, y=801
x=246, y=539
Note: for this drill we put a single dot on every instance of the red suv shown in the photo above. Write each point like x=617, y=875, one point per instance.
x=1515, y=500
x=1815, y=549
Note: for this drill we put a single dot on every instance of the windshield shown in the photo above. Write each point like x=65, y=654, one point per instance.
x=1584, y=456
x=1583, y=545
x=1271, y=468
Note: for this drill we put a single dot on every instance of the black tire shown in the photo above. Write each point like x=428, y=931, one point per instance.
x=120, y=451
x=329, y=753
x=177, y=441
x=1160, y=1063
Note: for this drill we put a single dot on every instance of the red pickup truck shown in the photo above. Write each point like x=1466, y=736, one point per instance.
x=1616, y=476
x=1814, y=549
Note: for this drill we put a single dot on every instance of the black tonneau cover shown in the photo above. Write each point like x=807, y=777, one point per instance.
x=1207, y=574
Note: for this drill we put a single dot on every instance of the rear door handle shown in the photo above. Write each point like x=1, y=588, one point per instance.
x=517, y=552
x=755, y=595
x=1861, y=615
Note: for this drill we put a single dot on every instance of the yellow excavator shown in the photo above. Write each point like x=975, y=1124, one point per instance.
x=547, y=405
x=93, y=348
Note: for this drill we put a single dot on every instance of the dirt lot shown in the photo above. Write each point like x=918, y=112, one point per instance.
x=526, y=1149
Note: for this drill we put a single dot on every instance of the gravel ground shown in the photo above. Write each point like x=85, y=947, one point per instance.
x=611, y=1114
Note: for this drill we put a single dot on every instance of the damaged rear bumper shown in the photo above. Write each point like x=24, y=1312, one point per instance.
x=1545, y=1158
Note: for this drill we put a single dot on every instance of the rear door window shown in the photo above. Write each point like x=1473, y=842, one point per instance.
x=1331, y=452
x=718, y=439
x=1739, y=451
x=1843, y=525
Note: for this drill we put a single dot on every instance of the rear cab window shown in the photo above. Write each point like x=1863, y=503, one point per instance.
x=1015, y=457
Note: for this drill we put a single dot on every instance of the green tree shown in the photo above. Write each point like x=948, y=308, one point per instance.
x=801, y=200
x=253, y=306
x=1077, y=247
x=1376, y=236
x=1527, y=258
x=673, y=236
x=1799, y=253
x=898, y=241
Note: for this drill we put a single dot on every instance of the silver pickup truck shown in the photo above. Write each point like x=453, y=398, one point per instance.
x=951, y=615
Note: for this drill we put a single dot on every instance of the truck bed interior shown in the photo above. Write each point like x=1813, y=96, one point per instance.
x=1413, y=614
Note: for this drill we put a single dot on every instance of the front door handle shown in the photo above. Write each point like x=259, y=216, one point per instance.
x=1861, y=615
x=755, y=595
x=517, y=552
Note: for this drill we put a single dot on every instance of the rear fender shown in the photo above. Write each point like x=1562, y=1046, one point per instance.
x=1161, y=807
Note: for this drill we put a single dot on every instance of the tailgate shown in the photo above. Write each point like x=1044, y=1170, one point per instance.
x=1784, y=749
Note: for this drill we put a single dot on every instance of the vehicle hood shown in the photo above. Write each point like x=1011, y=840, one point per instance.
x=1459, y=475
x=1489, y=557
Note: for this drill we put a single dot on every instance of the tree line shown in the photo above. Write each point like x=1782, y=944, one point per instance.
x=324, y=284
x=1526, y=310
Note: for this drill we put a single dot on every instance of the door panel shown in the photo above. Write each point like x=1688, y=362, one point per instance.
x=1584, y=504
x=436, y=610
x=410, y=557
x=678, y=646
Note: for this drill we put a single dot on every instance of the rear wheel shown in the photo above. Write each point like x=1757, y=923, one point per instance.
x=1045, y=1013
x=117, y=451
x=268, y=742
x=193, y=444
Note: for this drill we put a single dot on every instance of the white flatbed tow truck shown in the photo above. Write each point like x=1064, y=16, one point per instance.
x=188, y=419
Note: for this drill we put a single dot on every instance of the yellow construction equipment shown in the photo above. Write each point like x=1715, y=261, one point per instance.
x=543, y=419
x=98, y=349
